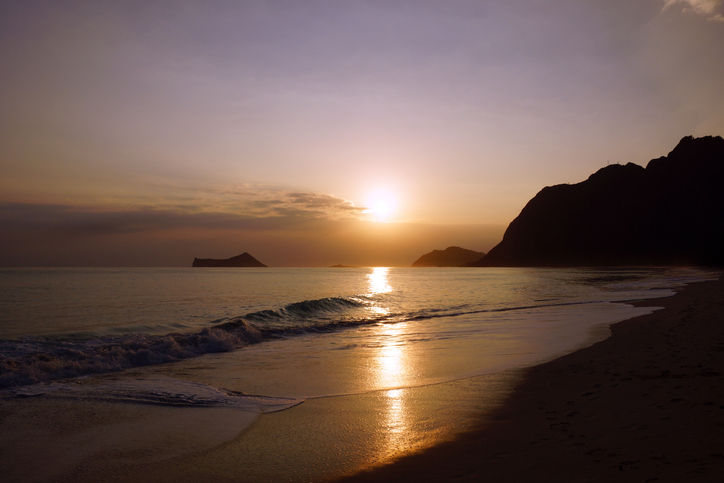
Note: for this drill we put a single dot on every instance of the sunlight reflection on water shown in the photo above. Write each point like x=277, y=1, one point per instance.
x=379, y=281
x=391, y=360
x=392, y=371
x=391, y=367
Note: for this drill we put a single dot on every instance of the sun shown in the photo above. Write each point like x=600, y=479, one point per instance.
x=381, y=208
x=381, y=205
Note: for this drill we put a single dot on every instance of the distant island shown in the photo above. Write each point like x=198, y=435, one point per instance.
x=243, y=260
x=450, y=257
x=669, y=213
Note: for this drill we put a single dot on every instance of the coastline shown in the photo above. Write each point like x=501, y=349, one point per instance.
x=558, y=421
x=645, y=404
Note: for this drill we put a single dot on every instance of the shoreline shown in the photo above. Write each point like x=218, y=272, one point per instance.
x=643, y=405
x=526, y=424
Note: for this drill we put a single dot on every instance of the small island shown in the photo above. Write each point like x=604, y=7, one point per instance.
x=450, y=257
x=243, y=260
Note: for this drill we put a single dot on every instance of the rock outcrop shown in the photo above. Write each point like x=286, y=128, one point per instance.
x=450, y=257
x=243, y=260
x=670, y=213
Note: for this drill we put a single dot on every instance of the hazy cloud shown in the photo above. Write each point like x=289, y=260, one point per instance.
x=302, y=204
x=711, y=8
x=32, y=220
x=244, y=200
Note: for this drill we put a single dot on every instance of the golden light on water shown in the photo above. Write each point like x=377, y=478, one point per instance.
x=390, y=356
x=378, y=281
x=393, y=371
x=396, y=420
x=391, y=368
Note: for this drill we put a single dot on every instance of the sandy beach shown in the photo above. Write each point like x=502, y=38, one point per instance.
x=646, y=404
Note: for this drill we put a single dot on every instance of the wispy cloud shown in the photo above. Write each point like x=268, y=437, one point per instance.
x=314, y=205
x=30, y=221
x=245, y=200
x=712, y=9
x=235, y=208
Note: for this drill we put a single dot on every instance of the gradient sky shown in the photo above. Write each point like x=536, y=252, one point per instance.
x=150, y=132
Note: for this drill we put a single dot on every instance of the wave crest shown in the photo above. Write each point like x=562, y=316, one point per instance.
x=32, y=360
x=306, y=312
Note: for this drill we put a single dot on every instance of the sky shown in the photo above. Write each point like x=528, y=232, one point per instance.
x=313, y=133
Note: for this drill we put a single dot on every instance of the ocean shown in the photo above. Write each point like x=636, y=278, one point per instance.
x=264, y=341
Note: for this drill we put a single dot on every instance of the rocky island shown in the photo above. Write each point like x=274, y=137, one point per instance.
x=243, y=260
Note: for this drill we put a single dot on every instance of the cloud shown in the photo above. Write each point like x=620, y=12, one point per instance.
x=195, y=210
x=712, y=9
x=33, y=220
x=244, y=200
x=305, y=204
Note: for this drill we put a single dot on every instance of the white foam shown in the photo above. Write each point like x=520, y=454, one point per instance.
x=160, y=391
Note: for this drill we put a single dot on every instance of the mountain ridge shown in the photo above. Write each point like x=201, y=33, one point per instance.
x=669, y=213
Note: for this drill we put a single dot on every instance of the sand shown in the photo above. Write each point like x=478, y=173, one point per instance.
x=646, y=404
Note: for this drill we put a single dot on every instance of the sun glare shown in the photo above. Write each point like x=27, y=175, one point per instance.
x=381, y=205
x=381, y=208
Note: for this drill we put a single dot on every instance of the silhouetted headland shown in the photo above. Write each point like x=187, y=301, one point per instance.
x=450, y=257
x=243, y=260
x=669, y=213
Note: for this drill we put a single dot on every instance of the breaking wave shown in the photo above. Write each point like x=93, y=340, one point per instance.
x=31, y=360
x=310, y=313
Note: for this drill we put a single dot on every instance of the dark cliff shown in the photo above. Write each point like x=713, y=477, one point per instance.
x=243, y=260
x=670, y=213
x=450, y=257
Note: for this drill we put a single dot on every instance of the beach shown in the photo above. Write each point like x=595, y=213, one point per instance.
x=641, y=404
x=351, y=241
x=646, y=404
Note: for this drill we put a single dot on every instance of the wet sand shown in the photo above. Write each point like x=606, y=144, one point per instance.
x=646, y=404
x=47, y=439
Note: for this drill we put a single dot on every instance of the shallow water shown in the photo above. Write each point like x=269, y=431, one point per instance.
x=445, y=323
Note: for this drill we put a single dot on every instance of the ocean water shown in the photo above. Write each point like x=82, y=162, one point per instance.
x=266, y=340
x=59, y=323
